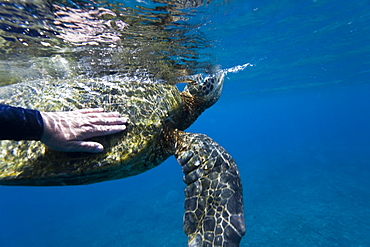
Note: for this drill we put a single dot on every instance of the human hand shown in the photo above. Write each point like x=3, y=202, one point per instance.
x=65, y=131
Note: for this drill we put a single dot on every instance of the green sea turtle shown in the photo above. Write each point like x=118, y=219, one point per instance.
x=159, y=113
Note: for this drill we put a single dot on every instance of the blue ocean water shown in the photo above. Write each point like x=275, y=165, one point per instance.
x=296, y=122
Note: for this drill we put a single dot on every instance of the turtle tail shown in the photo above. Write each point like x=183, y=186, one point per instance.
x=214, y=214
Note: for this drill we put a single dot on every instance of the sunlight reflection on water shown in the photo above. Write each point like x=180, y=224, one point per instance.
x=95, y=38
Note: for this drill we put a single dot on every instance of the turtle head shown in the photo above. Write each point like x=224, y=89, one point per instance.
x=206, y=91
x=198, y=95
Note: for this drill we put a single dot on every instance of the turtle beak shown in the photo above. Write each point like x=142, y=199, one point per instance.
x=219, y=82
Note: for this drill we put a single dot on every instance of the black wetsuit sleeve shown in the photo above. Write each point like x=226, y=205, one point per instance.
x=20, y=124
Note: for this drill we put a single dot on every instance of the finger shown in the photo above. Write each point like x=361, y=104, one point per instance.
x=101, y=131
x=109, y=121
x=84, y=146
x=101, y=114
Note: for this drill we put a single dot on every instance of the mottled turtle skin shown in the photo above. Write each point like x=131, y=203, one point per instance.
x=158, y=113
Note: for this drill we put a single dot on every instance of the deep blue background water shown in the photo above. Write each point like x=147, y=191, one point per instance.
x=297, y=123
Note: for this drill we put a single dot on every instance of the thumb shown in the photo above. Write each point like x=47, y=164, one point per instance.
x=84, y=146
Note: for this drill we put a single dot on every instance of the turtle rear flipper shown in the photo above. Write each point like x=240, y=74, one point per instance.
x=214, y=214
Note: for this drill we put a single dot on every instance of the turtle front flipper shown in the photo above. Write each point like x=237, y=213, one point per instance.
x=214, y=214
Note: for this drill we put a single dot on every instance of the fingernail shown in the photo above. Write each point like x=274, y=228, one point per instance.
x=98, y=149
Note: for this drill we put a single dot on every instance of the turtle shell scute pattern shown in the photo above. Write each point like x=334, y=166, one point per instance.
x=131, y=152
